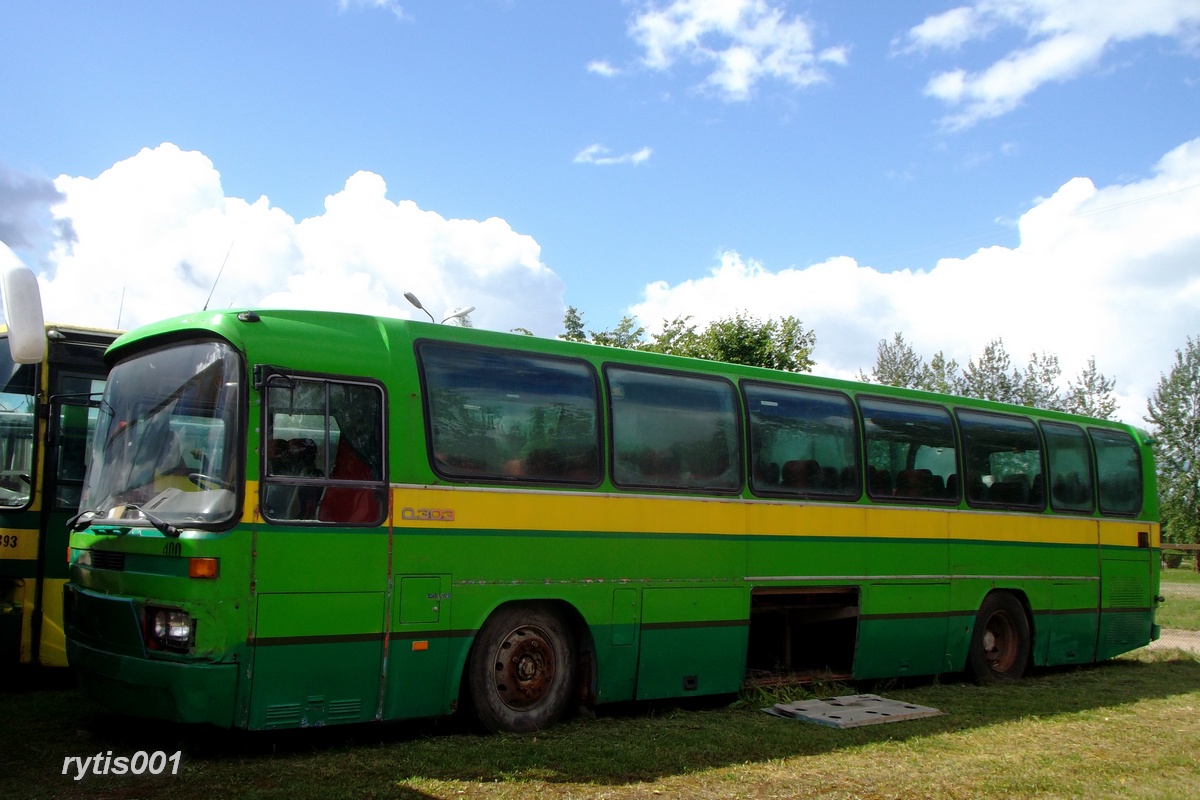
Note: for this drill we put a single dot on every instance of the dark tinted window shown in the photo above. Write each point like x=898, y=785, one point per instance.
x=1003, y=460
x=506, y=415
x=910, y=451
x=1070, y=466
x=1119, y=467
x=674, y=431
x=803, y=442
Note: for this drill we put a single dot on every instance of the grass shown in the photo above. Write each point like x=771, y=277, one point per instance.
x=1181, y=588
x=1126, y=728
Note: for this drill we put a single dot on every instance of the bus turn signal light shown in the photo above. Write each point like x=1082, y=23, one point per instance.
x=202, y=567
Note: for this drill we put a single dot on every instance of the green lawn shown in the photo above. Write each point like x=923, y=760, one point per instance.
x=1127, y=728
x=1181, y=588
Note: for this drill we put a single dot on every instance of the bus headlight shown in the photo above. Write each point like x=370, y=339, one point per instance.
x=169, y=629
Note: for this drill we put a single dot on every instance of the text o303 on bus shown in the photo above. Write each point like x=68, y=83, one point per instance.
x=428, y=514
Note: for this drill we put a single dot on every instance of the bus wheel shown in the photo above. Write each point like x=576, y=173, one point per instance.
x=1000, y=641
x=522, y=669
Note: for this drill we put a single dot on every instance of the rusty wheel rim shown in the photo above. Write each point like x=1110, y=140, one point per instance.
x=525, y=667
x=1000, y=642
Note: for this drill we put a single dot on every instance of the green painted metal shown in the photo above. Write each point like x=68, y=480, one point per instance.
x=311, y=625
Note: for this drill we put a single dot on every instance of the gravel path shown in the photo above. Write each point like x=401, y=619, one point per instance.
x=1177, y=639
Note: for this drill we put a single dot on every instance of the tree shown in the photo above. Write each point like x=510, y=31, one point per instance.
x=1091, y=393
x=1037, y=386
x=992, y=377
x=573, y=326
x=678, y=338
x=741, y=339
x=1174, y=411
x=942, y=375
x=627, y=334
x=897, y=364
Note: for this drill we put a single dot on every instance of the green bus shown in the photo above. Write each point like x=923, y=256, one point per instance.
x=298, y=518
x=46, y=408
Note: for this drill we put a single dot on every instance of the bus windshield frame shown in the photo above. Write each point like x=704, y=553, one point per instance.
x=168, y=440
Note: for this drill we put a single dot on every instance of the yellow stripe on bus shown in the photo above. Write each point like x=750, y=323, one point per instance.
x=505, y=509
x=474, y=508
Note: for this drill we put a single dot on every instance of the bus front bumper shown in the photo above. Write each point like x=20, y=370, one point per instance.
x=142, y=687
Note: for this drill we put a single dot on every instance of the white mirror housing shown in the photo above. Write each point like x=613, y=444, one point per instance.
x=22, y=309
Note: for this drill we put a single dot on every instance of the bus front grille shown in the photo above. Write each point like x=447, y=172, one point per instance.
x=107, y=560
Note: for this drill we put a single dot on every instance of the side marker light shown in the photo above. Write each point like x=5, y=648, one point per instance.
x=203, y=567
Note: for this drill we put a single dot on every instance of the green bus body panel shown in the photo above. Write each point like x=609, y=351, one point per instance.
x=1125, y=601
x=908, y=635
x=176, y=691
x=315, y=683
x=320, y=625
x=693, y=641
x=420, y=648
x=319, y=631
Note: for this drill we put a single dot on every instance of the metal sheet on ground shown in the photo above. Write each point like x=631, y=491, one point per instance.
x=851, y=711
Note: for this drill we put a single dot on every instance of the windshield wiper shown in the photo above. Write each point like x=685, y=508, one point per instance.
x=166, y=528
x=78, y=523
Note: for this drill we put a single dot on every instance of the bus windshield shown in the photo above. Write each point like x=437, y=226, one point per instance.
x=165, y=446
x=17, y=398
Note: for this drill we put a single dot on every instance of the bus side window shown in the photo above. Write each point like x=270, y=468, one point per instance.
x=803, y=442
x=910, y=450
x=1070, y=466
x=1119, y=467
x=504, y=415
x=674, y=431
x=323, y=459
x=1003, y=455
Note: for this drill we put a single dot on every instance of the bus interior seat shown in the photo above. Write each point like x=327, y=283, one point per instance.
x=1037, y=491
x=803, y=475
x=1012, y=489
x=919, y=483
x=879, y=481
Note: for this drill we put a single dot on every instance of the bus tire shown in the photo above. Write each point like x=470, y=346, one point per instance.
x=1000, y=641
x=522, y=669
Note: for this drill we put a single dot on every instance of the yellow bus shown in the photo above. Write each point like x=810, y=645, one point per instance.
x=50, y=380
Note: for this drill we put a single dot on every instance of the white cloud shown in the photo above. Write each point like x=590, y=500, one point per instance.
x=385, y=5
x=1065, y=38
x=1109, y=272
x=949, y=30
x=742, y=41
x=603, y=69
x=598, y=154
x=152, y=232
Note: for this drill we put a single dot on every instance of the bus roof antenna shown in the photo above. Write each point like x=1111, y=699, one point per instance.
x=222, y=269
x=412, y=298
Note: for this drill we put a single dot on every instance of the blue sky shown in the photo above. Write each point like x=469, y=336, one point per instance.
x=958, y=171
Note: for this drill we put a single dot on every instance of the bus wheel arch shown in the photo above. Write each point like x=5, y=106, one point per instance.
x=523, y=667
x=1001, y=639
